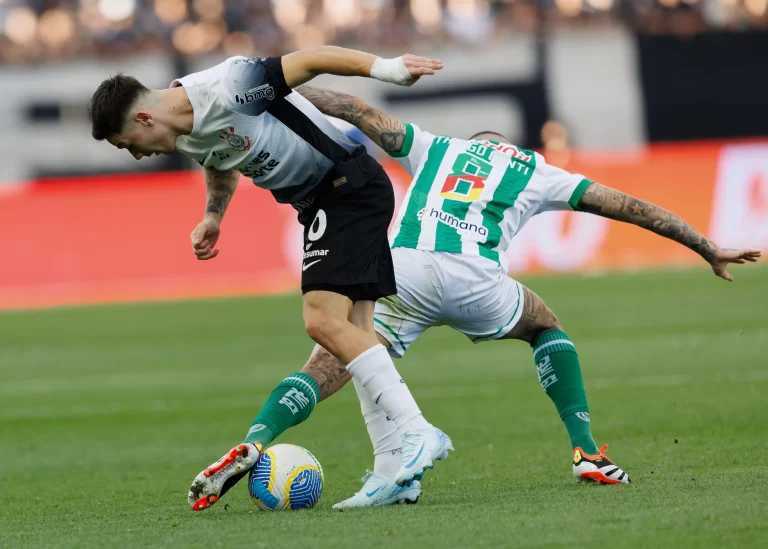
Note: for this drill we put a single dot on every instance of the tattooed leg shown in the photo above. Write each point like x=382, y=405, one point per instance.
x=536, y=318
x=558, y=368
x=327, y=370
x=294, y=398
x=331, y=375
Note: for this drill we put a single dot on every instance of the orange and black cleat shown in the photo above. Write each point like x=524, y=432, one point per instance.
x=597, y=468
x=214, y=481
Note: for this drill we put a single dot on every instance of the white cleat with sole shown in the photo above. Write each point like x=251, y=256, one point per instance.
x=597, y=468
x=380, y=489
x=420, y=450
x=214, y=481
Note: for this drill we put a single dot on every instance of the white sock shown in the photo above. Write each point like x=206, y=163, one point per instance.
x=388, y=462
x=377, y=375
x=381, y=430
x=387, y=446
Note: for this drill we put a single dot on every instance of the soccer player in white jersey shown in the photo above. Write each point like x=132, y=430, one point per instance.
x=467, y=200
x=242, y=117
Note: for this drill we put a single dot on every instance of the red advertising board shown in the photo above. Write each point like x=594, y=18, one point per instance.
x=126, y=238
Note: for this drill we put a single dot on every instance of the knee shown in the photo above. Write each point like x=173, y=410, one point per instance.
x=548, y=321
x=321, y=327
x=537, y=318
x=551, y=322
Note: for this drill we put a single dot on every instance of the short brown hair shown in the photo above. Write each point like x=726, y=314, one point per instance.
x=490, y=136
x=110, y=104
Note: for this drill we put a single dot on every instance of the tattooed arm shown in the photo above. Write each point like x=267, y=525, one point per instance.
x=613, y=204
x=387, y=132
x=220, y=186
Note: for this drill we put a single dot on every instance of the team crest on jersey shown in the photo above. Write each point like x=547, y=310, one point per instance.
x=240, y=143
x=464, y=187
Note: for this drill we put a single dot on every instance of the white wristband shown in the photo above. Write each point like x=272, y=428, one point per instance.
x=393, y=71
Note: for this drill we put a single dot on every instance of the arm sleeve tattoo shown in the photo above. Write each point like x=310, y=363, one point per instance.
x=382, y=129
x=220, y=186
x=613, y=204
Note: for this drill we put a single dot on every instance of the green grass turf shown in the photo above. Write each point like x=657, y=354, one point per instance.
x=107, y=413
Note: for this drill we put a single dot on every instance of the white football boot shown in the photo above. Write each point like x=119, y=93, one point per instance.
x=215, y=480
x=380, y=489
x=420, y=449
x=597, y=468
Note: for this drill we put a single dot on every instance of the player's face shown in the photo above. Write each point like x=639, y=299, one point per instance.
x=145, y=139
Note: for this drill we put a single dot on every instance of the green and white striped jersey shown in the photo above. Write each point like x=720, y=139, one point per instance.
x=472, y=197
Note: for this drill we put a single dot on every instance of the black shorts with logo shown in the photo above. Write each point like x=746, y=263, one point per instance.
x=346, y=250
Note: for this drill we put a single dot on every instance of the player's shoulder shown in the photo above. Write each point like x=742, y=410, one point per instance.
x=416, y=143
x=229, y=71
x=417, y=135
x=240, y=64
x=238, y=83
x=249, y=87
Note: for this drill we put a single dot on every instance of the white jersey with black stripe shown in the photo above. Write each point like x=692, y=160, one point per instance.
x=247, y=118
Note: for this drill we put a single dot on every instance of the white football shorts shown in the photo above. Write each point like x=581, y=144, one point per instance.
x=469, y=293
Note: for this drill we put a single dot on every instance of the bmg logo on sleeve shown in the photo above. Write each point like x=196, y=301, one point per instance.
x=265, y=91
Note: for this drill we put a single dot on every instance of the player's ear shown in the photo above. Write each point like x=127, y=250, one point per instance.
x=144, y=118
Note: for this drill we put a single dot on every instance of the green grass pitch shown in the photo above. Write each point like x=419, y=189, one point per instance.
x=107, y=413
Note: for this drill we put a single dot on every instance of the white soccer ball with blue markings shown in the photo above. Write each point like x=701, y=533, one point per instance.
x=286, y=476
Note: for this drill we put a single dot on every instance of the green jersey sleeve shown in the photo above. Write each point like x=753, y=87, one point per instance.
x=415, y=146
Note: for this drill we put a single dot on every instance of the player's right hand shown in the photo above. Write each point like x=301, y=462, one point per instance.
x=725, y=256
x=420, y=66
x=204, y=238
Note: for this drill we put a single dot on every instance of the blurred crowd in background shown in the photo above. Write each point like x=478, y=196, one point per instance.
x=46, y=31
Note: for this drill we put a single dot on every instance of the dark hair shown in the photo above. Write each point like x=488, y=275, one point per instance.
x=110, y=103
x=492, y=136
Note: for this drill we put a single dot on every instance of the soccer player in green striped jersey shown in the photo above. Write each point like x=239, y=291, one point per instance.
x=467, y=200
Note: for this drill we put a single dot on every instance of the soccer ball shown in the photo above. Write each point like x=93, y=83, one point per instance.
x=285, y=476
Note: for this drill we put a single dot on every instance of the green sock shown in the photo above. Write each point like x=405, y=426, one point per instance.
x=289, y=404
x=560, y=376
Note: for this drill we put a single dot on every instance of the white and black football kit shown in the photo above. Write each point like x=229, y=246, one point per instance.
x=247, y=118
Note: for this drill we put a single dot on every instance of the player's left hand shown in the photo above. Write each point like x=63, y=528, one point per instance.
x=420, y=66
x=725, y=256
x=204, y=238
